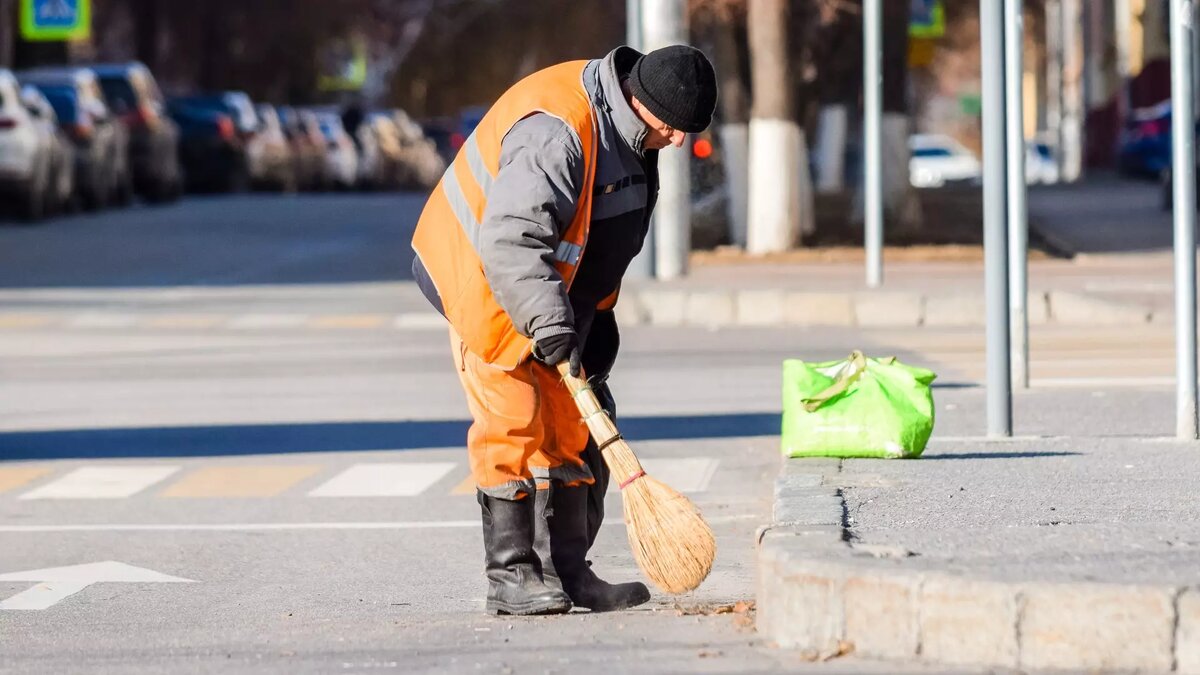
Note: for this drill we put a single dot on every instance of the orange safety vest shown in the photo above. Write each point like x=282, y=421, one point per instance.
x=449, y=225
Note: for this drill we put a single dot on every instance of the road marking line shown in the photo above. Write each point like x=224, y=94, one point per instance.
x=103, y=320
x=271, y=527
x=419, y=320
x=466, y=487
x=23, y=320
x=15, y=476
x=383, y=480
x=239, y=481
x=57, y=583
x=348, y=321
x=686, y=474
x=259, y=321
x=1131, y=381
x=183, y=321
x=95, y=482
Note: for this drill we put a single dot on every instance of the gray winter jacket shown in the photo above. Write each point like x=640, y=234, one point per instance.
x=533, y=199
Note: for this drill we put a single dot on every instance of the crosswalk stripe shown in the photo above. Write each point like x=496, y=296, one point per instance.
x=239, y=481
x=103, y=320
x=101, y=482
x=23, y=320
x=256, y=321
x=349, y=321
x=383, y=480
x=686, y=474
x=183, y=321
x=12, y=477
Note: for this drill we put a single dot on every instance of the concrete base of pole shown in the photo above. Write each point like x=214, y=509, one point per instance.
x=735, y=150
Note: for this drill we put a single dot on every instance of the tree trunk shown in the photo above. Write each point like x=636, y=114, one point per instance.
x=8, y=23
x=146, y=32
x=780, y=191
x=899, y=199
x=734, y=134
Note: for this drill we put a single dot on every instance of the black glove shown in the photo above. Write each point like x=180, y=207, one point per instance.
x=555, y=349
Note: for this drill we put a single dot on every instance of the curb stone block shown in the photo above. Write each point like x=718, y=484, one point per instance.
x=955, y=310
x=968, y=622
x=709, y=308
x=760, y=308
x=1077, y=309
x=663, y=308
x=1037, y=307
x=809, y=613
x=629, y=310
x=1096, y=627
x=818, y=309
x=888, y=309
x=810, y=511
x=881, y=615
x=1187, y=635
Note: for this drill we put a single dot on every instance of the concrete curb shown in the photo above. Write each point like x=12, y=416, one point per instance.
x=714, y=308
x=821, y=594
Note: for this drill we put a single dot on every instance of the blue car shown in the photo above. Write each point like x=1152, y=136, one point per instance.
x=1145, y=144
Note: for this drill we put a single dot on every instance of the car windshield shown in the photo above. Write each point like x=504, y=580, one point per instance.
x=932, y=152
x=64, y=102
x=331, y=127
x=120, y=94
x=237, y=106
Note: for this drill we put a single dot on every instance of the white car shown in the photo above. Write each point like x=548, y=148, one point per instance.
x=26, y=153
x=938, y=160
x=61, y=180
x=1040, y=167
x=341, y=157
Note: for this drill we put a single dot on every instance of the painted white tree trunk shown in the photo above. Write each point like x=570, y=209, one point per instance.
x=894, y=132
x=781, y=206
x=831, y=148
x=735, y=150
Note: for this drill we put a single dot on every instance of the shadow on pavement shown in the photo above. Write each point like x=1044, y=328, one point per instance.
x=267, y=439
x=997, y=455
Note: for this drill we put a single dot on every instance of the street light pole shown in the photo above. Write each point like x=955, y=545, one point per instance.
x=872, y=150
x=642, y=266
x=995, y=236
x=1018, y=225
x=1183, y=173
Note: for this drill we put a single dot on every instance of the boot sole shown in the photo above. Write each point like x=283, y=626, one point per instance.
x=532, y=609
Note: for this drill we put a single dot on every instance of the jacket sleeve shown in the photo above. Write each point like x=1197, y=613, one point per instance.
x=531, y=203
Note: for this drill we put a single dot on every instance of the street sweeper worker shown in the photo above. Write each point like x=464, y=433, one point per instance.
x=522, y=247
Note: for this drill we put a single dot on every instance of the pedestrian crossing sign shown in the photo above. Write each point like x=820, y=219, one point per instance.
x=56, y=20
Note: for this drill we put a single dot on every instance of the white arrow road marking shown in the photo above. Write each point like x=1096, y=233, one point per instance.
x=57, y=583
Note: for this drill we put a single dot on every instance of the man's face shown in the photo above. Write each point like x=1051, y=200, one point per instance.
x=659, y=134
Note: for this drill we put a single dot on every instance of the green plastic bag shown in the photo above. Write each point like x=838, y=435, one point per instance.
x=859, y=407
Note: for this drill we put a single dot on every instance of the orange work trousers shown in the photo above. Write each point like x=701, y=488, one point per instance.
x=526, y=429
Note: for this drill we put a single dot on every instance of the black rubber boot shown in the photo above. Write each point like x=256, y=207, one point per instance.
x=562, y=543
x=515, y=584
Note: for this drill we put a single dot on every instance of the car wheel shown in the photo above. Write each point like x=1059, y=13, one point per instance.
x=34, y=204
x=1168, y=194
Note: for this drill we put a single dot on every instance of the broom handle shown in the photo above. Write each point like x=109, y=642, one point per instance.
x=601, y=426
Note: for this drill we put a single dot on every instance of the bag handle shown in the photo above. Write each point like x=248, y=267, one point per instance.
x=858, y=366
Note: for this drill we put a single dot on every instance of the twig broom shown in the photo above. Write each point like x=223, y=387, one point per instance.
x=670, y=540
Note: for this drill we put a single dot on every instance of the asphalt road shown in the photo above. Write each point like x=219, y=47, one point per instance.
x=240, y=394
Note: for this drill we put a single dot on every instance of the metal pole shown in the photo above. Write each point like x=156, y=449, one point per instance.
x=1183, y=172
x=995, y=237
x=1054, y=79
x=872, y=145
x=642, y=266
x=1018, y=225
x=664, y=23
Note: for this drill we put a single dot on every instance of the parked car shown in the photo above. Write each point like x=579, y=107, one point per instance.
x=422, y=160
x=1040, y=165
x=341, y=156
x=279, y=169
x=938, y=160
x=102, y=174
x=133, y=95
x=210, y=150
x=61, y=176
x=308, y=147
x=372, y=165
x=260, y=159
x=24, y=154
x=1144, y=146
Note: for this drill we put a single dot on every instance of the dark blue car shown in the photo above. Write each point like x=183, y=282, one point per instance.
x=1145, y=145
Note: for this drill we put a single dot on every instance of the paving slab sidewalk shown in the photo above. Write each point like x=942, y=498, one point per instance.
x=1037, y=553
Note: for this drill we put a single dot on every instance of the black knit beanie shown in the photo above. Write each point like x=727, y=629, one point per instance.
x=678, y=85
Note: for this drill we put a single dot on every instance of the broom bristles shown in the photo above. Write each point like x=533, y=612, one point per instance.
x=670, y=541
